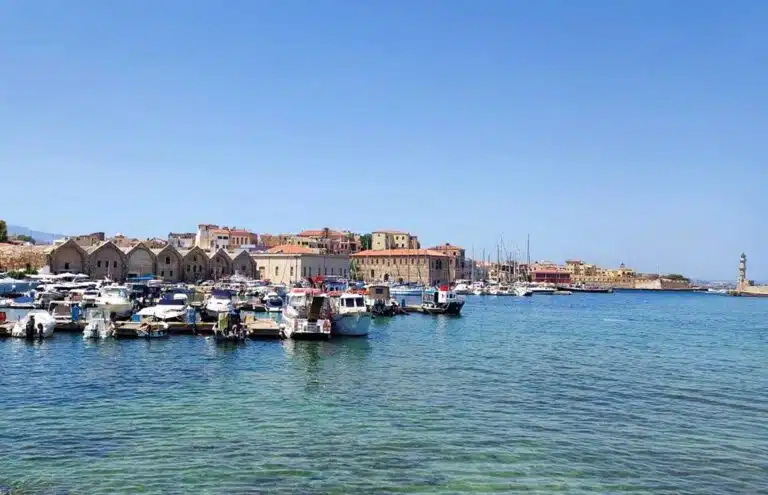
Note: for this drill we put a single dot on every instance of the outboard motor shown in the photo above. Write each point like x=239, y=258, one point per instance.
x=30, y=328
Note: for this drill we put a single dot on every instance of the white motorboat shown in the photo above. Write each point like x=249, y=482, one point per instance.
x=306, y=315
x=220, y=301
x=66, y=314
x=546, y=289
x=522, y=291
x=37, y=324
x=350, y=317
x=171, y=307
x=98, y=324
x=115, y=299
x=462, y=289
x=273, y=302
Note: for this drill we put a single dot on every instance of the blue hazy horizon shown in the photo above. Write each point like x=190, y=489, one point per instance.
x=610, y=131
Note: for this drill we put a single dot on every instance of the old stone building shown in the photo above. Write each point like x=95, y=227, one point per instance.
x=393, y=239
x=194, y=264
x=243, y=264
x=459, y=265
x=140, y=260
x=423, y=266
x=168, y=264
x=220, y=265
x=106, y=260
x=290, y=264
x=67, y=257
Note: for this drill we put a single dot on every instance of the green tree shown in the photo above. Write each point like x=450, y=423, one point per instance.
x=3, y=231
x=676, y=276
x=25, y=238
x=366, y=242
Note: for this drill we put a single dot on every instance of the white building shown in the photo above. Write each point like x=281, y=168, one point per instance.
x=291, y=265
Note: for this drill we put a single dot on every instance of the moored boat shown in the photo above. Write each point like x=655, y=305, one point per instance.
x=220, y=301
x=98, y=324
x=350, y=317
x=37, y=324
x=442, y=301
x=306, y=315
x=115, y=299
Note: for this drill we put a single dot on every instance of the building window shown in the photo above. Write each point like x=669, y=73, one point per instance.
x=325, y=271
x=66, y=265
x=277, y=271
x=167, y=260
x=291, y=271
x=98, y=264
x=194, y=258
x=114, y=264
x=372, y=275
x=331, y=270
x=170, y=273
x=188, y=268
x=162, y=273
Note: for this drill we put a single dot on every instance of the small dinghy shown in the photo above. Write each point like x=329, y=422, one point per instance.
x=37, y=324
x=98, y=325
x=152, y=330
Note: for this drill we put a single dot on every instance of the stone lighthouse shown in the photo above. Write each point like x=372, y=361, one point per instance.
x=742, y=282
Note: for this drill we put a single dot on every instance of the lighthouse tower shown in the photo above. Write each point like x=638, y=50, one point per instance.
x=742, y=282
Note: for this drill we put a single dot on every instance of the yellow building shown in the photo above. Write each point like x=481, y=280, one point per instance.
x=423, y=266
x=392, y=239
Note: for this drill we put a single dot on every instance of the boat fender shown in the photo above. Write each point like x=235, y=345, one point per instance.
x=326, y=325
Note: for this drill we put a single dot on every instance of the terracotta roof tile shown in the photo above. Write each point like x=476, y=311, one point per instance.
x=291, y=249
x=400, y=252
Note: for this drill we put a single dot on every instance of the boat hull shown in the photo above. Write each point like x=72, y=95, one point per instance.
x=44, y=326
x=351, y=325
x=302, y=329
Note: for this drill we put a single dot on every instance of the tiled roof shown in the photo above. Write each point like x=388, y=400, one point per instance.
x=400, y=252
x=291, y=249
x=446, y=247
x=320, y=233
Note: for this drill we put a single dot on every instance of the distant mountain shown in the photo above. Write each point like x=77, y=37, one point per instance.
x=39, y=237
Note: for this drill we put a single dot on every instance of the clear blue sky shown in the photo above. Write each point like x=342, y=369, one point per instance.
x=612, y=131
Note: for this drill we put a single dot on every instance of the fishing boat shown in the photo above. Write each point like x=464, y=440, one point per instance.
x=442, y=301
x=306, y=315
x=351, y=316
x=585, y=288
x=273, y=303
x=220, y=301
x=379, y=301
x=37, y=324
x=115, y=299
x=98, y=325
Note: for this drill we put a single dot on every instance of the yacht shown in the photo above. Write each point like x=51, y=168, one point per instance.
x=273, y=302
x=114, y=299
x=538, y=288
x=351, y=316
x=442, y=301
x=37, y=324
x=220, y=301
x=98, y=325
x=306, y=315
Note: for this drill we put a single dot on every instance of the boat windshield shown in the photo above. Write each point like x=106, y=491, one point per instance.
x=116, y=292
x=221, y=294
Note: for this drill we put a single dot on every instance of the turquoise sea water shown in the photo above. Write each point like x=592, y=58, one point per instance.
x=592, y=393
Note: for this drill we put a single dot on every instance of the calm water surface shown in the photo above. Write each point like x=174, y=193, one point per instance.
x=590, y=393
